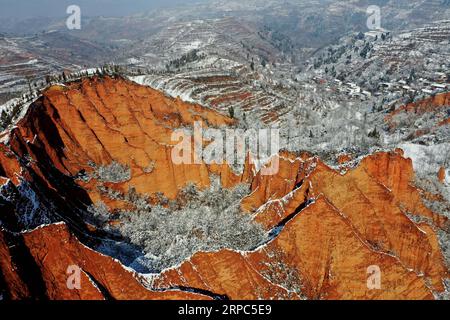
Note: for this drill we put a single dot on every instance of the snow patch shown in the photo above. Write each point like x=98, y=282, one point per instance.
x=427, y=160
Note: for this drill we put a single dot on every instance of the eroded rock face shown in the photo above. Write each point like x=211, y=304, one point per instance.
x=318, y=255
x=327, y=229
x=414, y=111
x=343, y=226
x=108, y=120
x=52, y=252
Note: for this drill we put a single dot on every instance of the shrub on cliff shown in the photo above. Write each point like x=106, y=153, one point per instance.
x=114, y=173
x=99, y=214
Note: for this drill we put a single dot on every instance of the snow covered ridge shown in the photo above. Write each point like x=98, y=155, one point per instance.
x=183, y=94
x=15, y=109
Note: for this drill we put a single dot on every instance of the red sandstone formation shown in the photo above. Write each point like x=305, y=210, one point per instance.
x=51, y=250
x=318, y=251
x=327, y=228
x=441, y=174
x=414, y=109
x=426, y=105
x=344, y=158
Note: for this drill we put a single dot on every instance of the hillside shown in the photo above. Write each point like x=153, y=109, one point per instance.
x=89, y=166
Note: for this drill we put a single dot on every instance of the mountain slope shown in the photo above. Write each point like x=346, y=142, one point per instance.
x=108, y=140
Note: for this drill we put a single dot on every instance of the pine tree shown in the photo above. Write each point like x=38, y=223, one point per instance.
x=4, y=118
x=29, y=80
x=231, y=112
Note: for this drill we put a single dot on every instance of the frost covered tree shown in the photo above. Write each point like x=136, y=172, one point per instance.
x=114, y=172
x=99, y=214
x=199, y=221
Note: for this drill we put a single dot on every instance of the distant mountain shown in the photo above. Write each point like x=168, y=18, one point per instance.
x=308, y=23
x=26, y=61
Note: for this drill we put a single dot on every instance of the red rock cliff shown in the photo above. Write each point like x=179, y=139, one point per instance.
x=327, y=229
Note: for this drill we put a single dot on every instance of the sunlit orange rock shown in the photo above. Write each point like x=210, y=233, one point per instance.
x=441, y=174
x=106, y=120
x=397, y=175
x=325, y=251
x=318, y=255
x=52, y=250
x=344, y=158
x=327, y=228
x=431, y=104
x=377, y=211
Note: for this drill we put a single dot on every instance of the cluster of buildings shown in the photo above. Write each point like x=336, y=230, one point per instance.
x=429, y=86
x=433, y=84
x=352, y=90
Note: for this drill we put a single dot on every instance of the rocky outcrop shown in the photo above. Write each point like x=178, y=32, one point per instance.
x=329, y=230
x=442, y=174
x=425, y=105
x=396, y=173
x=108, y=120
x=413, y=111
x=73, y=130
x=318, y=255
x=327, y=233
x=51, y=251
